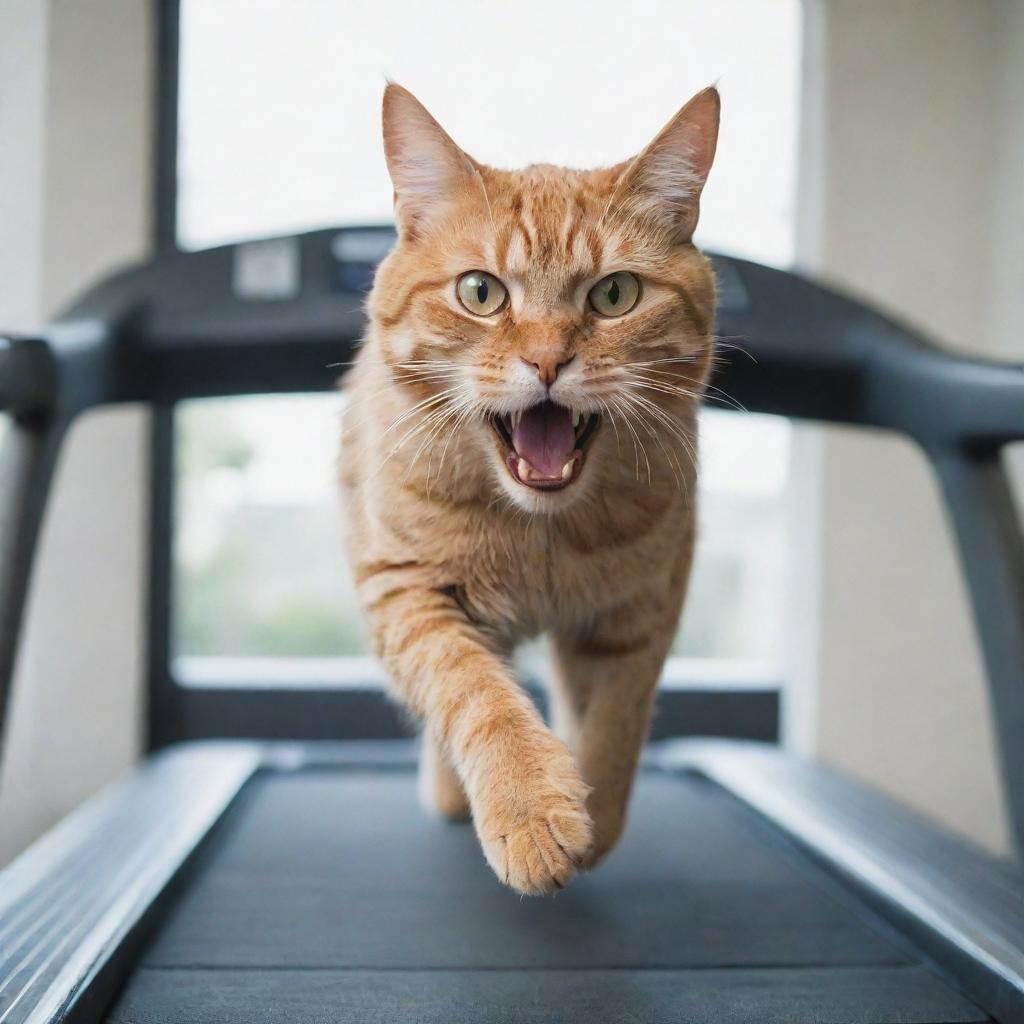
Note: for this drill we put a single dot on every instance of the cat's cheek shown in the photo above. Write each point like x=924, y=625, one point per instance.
x=399, y=343
x=519, y=495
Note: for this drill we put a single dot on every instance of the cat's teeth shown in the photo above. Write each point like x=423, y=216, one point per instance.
x=516, y=417
x=523, y=469
x=576, y=417
x=567, y=470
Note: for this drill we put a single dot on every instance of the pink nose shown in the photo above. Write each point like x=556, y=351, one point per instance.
x=547, y=365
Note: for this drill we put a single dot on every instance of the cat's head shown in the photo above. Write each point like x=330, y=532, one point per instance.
x=562, y=317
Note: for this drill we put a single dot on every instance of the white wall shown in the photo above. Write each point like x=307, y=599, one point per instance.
x=76, y=82
x=22, y=118
x=913, y=125
x=1005, y=328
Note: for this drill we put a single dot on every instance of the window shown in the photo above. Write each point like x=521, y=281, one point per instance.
x=261, y=576
x=279, y=132
x=280, y=102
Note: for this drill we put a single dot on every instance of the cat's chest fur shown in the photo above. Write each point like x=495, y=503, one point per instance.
x=521, y=579
x=442, y=524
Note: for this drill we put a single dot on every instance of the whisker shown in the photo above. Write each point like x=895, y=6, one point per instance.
x=611, y=419
x=459, y=421
x=665, y=387
x=675, y=468
x=637, y=443
x=453, y=413
x=426, y=403
x=428, y=421
x=688, y=359
x=729, y=344
x=707, y=386
x=348, y=424
x=674, y=428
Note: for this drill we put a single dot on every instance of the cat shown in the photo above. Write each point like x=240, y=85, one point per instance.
x=519, y=457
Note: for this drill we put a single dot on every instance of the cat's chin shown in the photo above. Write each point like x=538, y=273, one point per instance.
x=541, y=500
x=526, y=476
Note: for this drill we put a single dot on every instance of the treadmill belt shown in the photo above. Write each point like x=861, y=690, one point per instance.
x=328, y=895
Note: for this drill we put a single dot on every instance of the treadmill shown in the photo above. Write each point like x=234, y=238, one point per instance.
x=265, y=867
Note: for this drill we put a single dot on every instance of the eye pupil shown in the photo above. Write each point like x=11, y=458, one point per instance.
x=615, y=295
x=480, y=293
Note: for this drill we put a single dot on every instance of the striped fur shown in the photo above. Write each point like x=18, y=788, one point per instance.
x=454, y=561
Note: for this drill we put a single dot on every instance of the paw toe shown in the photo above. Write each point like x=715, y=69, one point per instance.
x=542, y=855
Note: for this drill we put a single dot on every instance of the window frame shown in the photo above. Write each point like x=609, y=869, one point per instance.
x=177, y=712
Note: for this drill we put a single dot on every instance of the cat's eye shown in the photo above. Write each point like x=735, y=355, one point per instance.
x=481, y=293
x=615, y=294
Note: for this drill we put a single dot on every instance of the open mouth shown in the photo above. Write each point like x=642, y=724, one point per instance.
x=544, y=447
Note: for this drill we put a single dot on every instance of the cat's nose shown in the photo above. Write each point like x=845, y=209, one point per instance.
x=547, y=366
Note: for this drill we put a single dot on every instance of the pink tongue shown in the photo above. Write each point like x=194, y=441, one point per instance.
x=545, y=438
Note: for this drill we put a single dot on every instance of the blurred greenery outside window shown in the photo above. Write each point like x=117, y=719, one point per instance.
x=260, y=572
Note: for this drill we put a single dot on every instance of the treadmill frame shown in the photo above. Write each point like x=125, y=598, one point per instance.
x=819, y=356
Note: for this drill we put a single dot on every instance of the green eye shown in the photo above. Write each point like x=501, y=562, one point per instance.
x=615, y=294
x=481, y=293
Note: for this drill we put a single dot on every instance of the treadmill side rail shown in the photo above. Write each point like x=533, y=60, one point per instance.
x=960, y=906
x=75, y=900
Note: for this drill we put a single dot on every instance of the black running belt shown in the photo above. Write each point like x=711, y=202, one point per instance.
x=328, y=895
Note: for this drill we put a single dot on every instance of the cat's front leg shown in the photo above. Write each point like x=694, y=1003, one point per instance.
x=606, y=680
x=525, y=792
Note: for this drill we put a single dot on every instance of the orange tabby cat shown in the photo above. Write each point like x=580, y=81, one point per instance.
x=518, y=458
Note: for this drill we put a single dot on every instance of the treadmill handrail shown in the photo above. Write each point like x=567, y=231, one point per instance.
x=27, y=376
x=178, y=328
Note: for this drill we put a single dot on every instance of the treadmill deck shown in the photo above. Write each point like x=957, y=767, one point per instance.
x=328, y=895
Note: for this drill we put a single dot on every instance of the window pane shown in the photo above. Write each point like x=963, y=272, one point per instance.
x=260, y=571
x=280, y=102
x=280, y=132
x=258, y=544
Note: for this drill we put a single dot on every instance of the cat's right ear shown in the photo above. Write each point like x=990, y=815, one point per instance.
x=429, y=172
x=666, y=180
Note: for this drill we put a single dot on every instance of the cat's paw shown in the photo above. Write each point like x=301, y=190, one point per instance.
x=536, y=834
x=541, y=855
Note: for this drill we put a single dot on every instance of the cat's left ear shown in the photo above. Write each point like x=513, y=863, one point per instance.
x=666, y=180
x=428, y=170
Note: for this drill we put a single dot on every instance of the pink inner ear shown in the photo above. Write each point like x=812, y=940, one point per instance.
x=426, y=166
x=672, y=170
x=669, y=173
